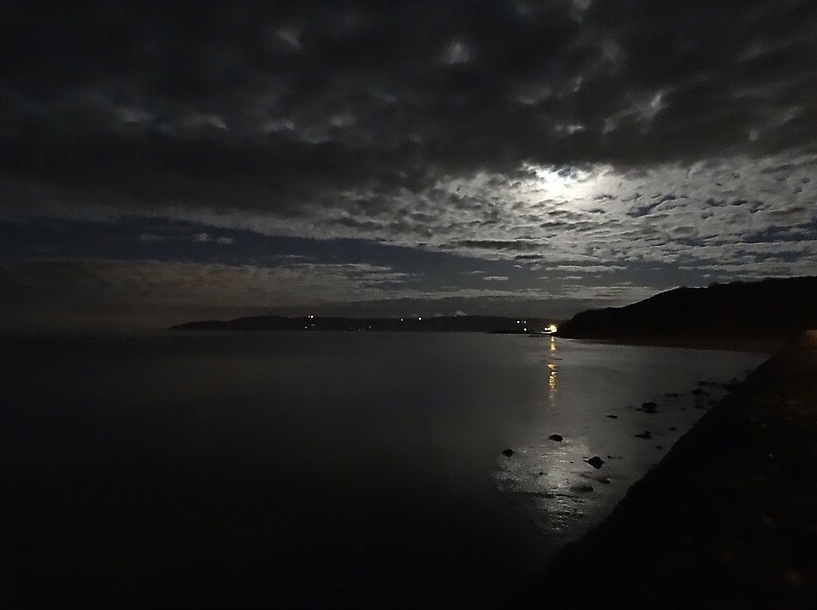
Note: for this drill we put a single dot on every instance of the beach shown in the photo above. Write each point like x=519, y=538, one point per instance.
x=728, y=519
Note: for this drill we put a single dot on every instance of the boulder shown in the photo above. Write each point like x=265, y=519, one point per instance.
x=649, y=407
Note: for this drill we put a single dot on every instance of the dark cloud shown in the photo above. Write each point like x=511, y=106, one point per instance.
x=270, y=96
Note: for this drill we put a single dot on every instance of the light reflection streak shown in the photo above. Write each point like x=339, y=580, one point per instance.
x=552, y=374
x=552, y=477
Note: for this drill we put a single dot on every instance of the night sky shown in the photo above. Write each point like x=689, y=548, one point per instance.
x=166, y=161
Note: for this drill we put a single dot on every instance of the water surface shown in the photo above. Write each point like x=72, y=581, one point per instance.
x=215, y=470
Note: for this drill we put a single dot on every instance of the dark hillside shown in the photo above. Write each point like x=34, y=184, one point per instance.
x=772, y=308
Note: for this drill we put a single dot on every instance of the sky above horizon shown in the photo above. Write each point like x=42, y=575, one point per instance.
x=175, y=160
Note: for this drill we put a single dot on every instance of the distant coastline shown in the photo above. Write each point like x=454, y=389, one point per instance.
x=484, y=324
x=744, y=316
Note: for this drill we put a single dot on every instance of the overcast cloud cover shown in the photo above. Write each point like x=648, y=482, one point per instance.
x=421, y=157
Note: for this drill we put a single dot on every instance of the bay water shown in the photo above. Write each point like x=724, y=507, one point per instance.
x=399, y=470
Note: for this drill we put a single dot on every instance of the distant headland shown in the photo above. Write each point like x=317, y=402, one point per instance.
x=769, y=312
x=759, y=316
x=484, y=324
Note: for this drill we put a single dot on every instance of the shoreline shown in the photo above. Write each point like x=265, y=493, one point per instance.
x=761, y=345
x=727, y=519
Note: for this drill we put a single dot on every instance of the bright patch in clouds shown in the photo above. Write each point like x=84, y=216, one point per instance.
x=560, y=184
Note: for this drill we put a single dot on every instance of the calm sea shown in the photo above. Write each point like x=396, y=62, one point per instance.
x=239, y=470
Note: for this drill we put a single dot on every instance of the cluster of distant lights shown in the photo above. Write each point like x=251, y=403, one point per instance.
x=551, y=328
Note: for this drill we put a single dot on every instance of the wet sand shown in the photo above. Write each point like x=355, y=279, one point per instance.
x=727, y=520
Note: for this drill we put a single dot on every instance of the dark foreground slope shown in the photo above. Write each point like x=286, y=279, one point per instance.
x=727, y=520
x=770, y=310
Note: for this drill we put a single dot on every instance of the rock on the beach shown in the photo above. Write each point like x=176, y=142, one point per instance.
x=556, y=437
x=596, y=462
x=507, y=452
x=646, y=435
x=649, y=407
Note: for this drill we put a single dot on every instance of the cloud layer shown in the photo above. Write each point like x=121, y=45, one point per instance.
x=569, y=135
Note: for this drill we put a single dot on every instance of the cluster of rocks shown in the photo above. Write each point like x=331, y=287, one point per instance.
x=702, y=400
x=702, y=396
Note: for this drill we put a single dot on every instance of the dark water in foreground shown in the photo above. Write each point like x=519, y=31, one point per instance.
x=238, y=470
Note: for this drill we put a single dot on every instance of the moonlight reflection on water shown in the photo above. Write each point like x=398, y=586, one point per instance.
x=318, y=466
x=593, y=409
